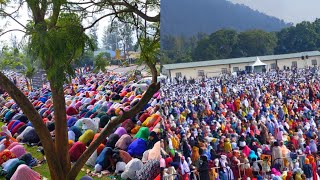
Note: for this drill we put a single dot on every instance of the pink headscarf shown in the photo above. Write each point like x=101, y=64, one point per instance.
x=48, y=102
x=156, y=94
x=25, y=172
x=246, y=150
x=162, y=163
x=275, y=172
x=78, y=104
x=124, y=141
x=18, y=150
x=307, y=150
x=12, y=145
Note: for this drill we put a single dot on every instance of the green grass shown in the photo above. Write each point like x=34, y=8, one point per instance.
x=44, y=169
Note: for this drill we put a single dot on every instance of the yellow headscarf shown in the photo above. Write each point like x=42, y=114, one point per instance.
x=227, y=146
x=175, y=143
x=195, y=154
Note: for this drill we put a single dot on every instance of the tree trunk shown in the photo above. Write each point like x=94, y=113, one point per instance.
x=108, y=129
x=28, y=85
x=61, y=130
x=39, y=126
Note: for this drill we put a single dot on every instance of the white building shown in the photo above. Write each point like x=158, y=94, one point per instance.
x=214, y=68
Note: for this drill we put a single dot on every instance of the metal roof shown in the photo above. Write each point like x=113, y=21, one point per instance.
x=239, y=60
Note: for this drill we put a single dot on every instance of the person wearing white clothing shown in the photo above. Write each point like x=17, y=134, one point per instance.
x=185, y=170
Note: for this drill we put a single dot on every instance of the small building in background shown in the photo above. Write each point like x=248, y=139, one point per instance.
x=214, y=68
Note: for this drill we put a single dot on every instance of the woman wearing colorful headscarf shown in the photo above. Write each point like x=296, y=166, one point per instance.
x=124, y=141
x=25, y=172
x=104, y=161
x=76, y=151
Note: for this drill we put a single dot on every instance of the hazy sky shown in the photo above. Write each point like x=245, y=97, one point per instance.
x=24, y=16
x=294, y=11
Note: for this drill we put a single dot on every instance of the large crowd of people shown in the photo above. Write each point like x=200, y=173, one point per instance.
x=132, y=151
x=250, y=126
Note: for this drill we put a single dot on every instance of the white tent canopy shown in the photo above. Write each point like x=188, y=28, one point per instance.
x=258, y=63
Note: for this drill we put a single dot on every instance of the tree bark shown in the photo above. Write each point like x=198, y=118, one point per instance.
x=39, y=126
x=61, y=128
x=152, y=89
x=153, y=71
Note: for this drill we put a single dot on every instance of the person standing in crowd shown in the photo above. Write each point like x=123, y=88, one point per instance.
x=184, y=169
x=204, y=168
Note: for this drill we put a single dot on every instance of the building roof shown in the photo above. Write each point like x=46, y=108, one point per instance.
x=239, y=60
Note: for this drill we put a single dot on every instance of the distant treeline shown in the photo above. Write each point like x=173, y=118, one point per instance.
x=228, y=43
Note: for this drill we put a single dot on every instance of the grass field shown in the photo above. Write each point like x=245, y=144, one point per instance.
x=44, y=170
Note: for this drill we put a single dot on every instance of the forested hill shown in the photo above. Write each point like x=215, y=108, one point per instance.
x=189, y=17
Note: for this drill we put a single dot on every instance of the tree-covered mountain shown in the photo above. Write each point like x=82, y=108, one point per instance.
x=229, y=43
x=189, y=17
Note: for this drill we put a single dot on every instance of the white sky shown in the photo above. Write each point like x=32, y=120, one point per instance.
x=294, y=11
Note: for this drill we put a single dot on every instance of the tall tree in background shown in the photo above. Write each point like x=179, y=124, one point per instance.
x=117, y=36
x=126, y=32
x=57, y=37
x=304, y=36
x=219, y=45
x=93, y=34
x=177, y=49
x=316, y=26
x=255, y=43
x=111, y=37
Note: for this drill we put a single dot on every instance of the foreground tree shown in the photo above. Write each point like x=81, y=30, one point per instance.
x=56, y=37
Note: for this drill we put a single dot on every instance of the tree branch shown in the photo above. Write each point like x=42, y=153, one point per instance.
x=9, y=15
x=55, y=12
x=129, y=9
x=44, y=7
x=104, y=16
x=81, y=3
x=5, y=32
x=135, y=10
